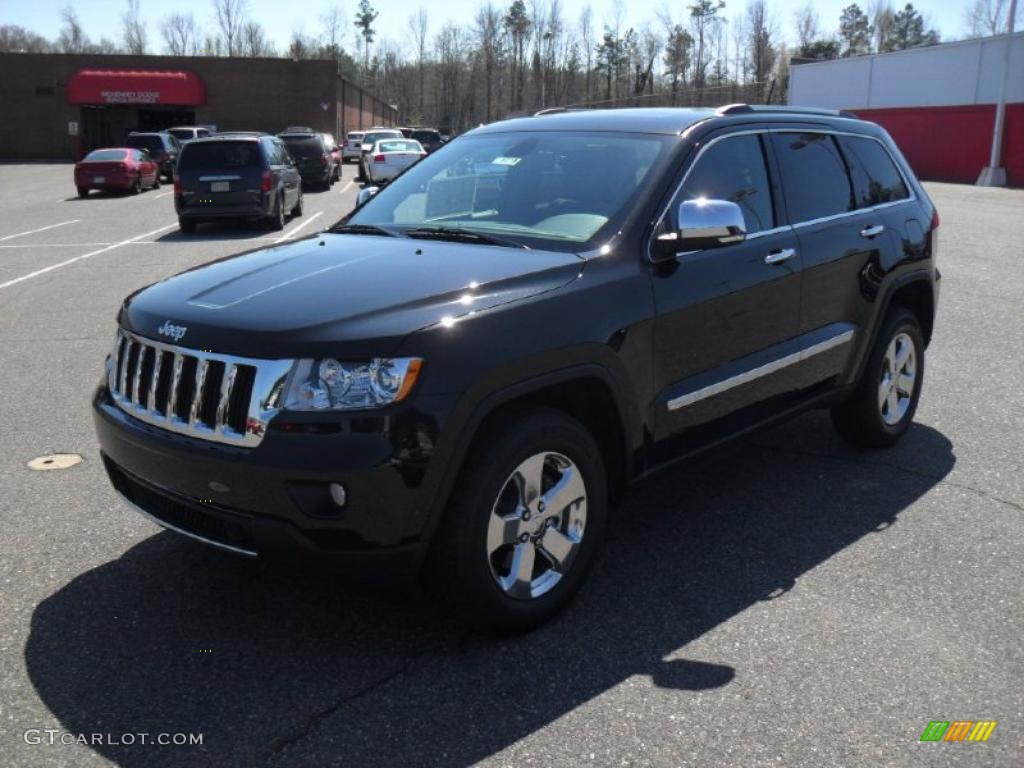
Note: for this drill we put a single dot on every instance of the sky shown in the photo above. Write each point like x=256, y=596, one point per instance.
x=280, y=20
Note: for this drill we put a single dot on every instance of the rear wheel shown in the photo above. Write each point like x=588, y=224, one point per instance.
x=527, y=521
x=156, y=181
x=187, y=226
x=83, y=191
x=276, y=220
x=137, y=185
x=297, y=210
x=882, y=407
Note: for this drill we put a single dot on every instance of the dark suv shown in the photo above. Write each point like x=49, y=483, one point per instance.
x=464, y=374
x=236, y=175
x=162, y=147
x=312, y=157
x=428, y=138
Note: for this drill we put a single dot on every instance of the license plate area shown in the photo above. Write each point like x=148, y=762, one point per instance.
x=220, y=186
x=99, y=179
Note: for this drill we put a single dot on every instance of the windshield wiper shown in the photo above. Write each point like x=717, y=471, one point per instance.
x=459, y=235
x=363, y=229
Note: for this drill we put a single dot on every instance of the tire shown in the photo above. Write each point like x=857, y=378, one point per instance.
x=83, y=191
x=188, y=226
x=137, y=185
x=362, y=173
x=156, y=181
x=882, y=407
x=297, y=210
x=276, y=220
x=482, y=544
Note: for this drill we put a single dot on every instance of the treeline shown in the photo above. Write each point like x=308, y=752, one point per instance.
x=528, y=55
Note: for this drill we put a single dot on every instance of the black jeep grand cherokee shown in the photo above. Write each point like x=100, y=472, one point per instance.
x=466, y=372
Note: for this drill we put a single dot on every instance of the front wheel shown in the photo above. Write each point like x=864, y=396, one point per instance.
x=297, y=210
x=277, y=218
x=882, y=407
x=527, y=522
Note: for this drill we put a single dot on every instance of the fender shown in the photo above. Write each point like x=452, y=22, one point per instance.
x=465, y=431
x=859, y=359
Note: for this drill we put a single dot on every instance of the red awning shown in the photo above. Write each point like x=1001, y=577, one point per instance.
x=124, y=86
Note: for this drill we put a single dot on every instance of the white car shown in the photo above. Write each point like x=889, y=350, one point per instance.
x=353, y=141
x=389, y=157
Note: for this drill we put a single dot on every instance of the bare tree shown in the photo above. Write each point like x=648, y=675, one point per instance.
x=587, y=42
x=134, y=29
x=253, y=41
x=72, y=38
x=488, y=38
x=180, y=33
x=334, y=30
x=230, y=18
x=989, y=17
x=419, y=24
x=807, y=26
x=881, y=16
x=760, y=43
x=703, y=17
x=15, y=39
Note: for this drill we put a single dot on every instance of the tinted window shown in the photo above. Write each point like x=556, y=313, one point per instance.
x=182, y=133
x=426, y=136
x=813, y=175
x=218, y=155
x=875, y=176
x=152, y=143
x=304, y=146
x=399, y=145
x=106, y=154
x=733, y=169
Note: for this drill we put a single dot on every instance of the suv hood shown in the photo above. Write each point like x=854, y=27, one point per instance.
x=337, y=294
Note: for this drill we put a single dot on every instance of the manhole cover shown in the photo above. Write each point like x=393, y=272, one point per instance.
x=55, y=461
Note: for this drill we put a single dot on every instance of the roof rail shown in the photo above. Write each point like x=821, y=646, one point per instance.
x=740, y=109
x=555, y=110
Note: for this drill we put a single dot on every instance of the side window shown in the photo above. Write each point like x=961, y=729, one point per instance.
x=281, y=153
x=814, y=176
x=733, y=169
x=875, y=176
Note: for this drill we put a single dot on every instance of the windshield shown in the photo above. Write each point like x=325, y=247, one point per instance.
x=152, y=143
x=182, y=133
x=399, y=145
x=105, y=154
x=371, y=138
x=544, y=189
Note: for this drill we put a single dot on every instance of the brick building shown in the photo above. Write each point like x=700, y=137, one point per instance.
x=63, y=105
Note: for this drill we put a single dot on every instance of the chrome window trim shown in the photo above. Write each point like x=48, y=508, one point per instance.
x=264, y=401
x=762, y=370
x=912, y=195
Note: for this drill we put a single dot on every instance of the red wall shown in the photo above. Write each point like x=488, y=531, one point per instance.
x=952, y=143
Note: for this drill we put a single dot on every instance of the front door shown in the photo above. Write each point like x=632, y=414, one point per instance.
x=727, y=318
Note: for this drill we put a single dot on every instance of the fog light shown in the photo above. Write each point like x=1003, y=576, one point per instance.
x=338, y=495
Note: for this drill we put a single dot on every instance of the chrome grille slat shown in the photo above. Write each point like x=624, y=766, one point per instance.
x=197, y=395
x=227, y=384
x=172, y=401
x=168, y=394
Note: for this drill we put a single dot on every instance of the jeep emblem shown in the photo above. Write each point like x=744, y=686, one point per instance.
x=170, y=330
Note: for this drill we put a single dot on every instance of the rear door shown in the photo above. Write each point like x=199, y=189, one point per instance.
x=220, y=173
x=838, y=241
x=727, y=317
x=284, y=170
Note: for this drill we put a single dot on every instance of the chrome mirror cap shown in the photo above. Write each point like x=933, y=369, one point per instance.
x=365, y=194
x=703, y=223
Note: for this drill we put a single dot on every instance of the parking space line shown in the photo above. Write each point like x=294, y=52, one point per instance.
x=41, y=229
x=163, y=194
x=346, y=188
x=84, y=256
x=310, y=220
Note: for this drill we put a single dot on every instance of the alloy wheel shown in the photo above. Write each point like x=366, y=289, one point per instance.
x=899, y=374
x=537, y=525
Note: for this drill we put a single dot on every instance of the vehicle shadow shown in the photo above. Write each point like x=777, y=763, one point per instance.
x=281, y=667
x=228, y=229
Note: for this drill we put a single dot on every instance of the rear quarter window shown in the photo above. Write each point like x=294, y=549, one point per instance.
x=814, y=176
x=876, y=179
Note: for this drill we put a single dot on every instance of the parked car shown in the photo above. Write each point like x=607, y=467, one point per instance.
x=236, y=176
x=389, y=157
x=160, y=145
x=369, y=139
x=185, y=133
x=116, y=168
x=460, y=386
x=353, y=142
x=312, y=157
x=429, y=138
x=335, y=151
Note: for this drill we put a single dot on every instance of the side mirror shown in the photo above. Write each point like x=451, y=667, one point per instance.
x=703, y=223
x=365, y=194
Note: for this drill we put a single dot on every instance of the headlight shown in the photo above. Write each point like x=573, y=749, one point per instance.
x=328, y=384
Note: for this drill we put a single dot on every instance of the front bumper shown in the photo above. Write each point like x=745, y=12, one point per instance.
x=273, y=500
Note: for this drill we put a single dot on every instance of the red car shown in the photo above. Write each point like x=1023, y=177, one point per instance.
x=116, y=168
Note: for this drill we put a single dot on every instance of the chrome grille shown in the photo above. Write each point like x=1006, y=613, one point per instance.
x=203, y=394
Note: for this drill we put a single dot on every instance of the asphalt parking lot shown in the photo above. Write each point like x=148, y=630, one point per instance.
x=783, y=601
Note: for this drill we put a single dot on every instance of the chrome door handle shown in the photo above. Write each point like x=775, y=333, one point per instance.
x=872, y=230
x=780, y=255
